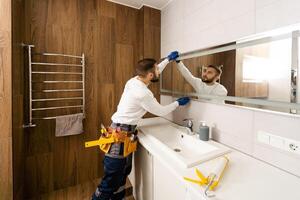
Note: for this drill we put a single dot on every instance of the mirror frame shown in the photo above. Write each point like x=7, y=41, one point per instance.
x=292, y=32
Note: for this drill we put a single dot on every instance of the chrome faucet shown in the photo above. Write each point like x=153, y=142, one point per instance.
x=189, y=126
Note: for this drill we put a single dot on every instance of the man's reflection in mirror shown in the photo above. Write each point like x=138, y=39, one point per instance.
x=207, y=84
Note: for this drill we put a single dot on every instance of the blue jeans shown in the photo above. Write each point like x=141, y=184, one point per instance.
x=112, y=186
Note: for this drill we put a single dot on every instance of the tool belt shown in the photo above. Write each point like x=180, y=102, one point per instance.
x=115, y=135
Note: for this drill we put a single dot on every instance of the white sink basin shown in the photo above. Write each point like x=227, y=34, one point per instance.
x=187, y=150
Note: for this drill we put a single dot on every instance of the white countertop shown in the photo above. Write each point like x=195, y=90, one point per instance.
x=245, y=177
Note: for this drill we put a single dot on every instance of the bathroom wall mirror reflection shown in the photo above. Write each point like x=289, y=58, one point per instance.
x=259, y=72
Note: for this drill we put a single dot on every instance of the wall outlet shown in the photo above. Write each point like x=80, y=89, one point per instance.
x=278, y=142
x=292, y=146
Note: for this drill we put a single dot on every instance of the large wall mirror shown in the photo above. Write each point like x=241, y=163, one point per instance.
x=258, y=71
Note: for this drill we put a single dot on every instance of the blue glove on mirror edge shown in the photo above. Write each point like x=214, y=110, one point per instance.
x=173, y=55
x=183, y=101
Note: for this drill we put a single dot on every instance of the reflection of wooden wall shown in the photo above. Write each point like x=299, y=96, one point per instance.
x=248, y=89
x=114, y=38
x=173, y=80
x=6, y=187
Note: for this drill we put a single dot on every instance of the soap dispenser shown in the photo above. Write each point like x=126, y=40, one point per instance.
x=203, y=131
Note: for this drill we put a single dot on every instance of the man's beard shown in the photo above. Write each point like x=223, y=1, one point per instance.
x=155, y=79
x=206, y=80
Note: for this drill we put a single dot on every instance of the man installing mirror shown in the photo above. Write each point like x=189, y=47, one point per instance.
x=207, y=84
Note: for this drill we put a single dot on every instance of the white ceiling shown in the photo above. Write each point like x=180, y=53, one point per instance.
x=158, y=4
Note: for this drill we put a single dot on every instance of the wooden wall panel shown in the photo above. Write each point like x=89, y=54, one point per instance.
x=109, y=35
x=18, y=132
x=150, y=41
x=6, y=180
x=126, y=21
x=125, y=67
x=107, y=73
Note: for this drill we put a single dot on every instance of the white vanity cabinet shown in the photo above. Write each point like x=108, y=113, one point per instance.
x=166, y=185
x=153, y=180
x=142, y=174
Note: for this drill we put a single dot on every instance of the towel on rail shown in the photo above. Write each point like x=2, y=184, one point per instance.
x=69, y=125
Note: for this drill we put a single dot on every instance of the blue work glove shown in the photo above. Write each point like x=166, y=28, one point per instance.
x=173, y=55
x=183, y=101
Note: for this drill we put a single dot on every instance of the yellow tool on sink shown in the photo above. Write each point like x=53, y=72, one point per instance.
x=213, y=179
x=202, y=181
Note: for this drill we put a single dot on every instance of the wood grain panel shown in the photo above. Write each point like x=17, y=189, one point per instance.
x=5, y=84
x=151, y=41
x=40, y=169
x=108, y=35
x=152, y=16
x=107, y=9
x=65, y=165
x=18, y=36
x=106, y=58
x=126, y=20
x=124, y=66
x=5, y=15
x=6, y=180
x=6, y=168
x=107, y=103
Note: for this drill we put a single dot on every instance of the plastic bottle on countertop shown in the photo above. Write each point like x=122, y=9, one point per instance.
x=203, y=131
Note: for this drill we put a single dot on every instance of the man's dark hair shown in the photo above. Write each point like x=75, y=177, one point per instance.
x=144, y=66
x=217, y=68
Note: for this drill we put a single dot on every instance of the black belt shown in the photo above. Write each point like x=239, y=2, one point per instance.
x=116, y=150
x=124, y=127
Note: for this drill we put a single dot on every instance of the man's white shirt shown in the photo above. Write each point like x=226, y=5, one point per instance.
x=199, y=86
x=137, y=99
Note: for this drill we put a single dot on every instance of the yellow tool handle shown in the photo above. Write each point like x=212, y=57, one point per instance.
x=201, y=176
x=92, y=143
x=193, y=181
x=100, y=142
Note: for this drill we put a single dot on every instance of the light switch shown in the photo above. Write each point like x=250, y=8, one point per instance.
x=276, y=142
x=263, y=137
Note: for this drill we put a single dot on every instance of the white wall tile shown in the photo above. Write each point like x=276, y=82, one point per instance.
x=228, y=128
x=276, y=158
x=277, y=14
x=165, y=100
x=191, y=6
x=233, y=141
x=172, y=13
x=285, y=126
x=263, y=3
x=242, y=26
x=232, y=9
